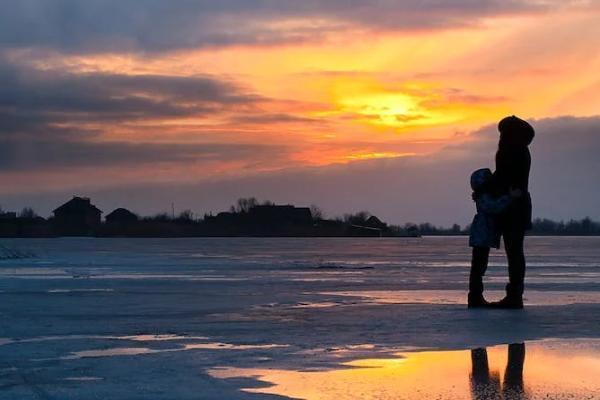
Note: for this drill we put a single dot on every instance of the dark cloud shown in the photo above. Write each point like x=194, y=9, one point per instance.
x=43, y=155
x=270, y=118
x=45, y=118
x=32, y=98
x=157, y=25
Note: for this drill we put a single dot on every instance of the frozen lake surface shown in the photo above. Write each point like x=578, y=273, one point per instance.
x=291, y=318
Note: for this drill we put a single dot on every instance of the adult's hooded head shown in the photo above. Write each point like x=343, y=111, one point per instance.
x=515, y=131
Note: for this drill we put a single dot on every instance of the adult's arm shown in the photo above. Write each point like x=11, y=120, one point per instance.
x=491, y=205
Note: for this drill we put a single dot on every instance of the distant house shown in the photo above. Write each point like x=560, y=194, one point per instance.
x=121, y=216
x=281, y=215
x=8, y=224
x=374, y=222
x=8, y=215
x=226, y=217
x=77, y=217
x=372, y=227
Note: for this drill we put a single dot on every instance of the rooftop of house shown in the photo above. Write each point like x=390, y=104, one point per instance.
x=121, y=213
x=375, y=222
x=77, y=204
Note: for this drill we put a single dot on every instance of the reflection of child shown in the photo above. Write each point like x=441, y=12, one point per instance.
x=484, y=232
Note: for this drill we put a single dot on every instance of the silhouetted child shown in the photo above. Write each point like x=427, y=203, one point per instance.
x=484, y=232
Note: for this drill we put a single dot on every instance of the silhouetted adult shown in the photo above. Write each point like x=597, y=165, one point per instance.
x=485, y=385
x=513, y=162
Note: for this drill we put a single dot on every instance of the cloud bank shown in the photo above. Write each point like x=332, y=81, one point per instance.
x=51, y=119
x=156, y=25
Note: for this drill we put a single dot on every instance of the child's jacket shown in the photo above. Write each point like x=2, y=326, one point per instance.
x=484, y=230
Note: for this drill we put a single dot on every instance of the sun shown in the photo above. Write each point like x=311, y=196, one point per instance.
x=399, y=110
x=389, y=109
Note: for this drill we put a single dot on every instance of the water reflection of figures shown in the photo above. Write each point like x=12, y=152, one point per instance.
x=485, y=385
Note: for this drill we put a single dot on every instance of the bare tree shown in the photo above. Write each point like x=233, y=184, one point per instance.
x=317, y=212
x=27, y=213
x=186, y=215
x=245, y=204
x=357, y=219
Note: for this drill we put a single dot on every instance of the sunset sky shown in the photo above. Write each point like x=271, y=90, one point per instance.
x=379, y=105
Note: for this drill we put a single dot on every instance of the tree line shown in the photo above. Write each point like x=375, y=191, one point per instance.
x=187, y=222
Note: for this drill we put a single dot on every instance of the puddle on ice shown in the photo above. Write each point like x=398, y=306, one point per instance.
x=229, y=346
x=149, y=338
x=536, y=370
x=532, y=297
x=121, y=351
x=135, y=351
x=324, y=304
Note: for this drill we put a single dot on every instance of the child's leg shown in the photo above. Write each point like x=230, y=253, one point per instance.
x=479, y=264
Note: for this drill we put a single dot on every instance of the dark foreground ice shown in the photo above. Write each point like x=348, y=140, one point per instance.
x=301, y=318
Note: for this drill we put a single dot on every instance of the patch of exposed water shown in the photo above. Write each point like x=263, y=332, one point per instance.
x=550, y=369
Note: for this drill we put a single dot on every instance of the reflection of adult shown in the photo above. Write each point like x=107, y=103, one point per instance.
x=513, y=162
x=513, y=387
x=485, y=385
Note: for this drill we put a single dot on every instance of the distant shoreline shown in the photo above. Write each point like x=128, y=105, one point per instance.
x=79, y=217
x=273, y=237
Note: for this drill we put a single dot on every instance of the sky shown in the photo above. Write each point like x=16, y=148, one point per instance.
x=385, y=106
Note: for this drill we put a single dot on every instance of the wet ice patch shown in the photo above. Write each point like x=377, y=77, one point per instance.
x=83, y=378
x=120, y=351
x=136, y=338
x=136, y=351
x=79, y=290
x=180, y=341
x=229, y=346
x=324, y=304
x=31, y=271
x=159, y=338
x=448, y=297
x=10, y=253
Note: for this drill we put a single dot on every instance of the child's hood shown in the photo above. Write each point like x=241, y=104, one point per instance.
x=479, y=178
